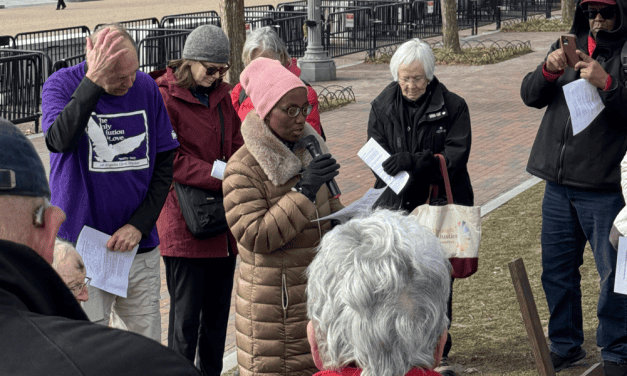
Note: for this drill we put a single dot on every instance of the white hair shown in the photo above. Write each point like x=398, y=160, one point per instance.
x=410, y=51
x=377, y=294
x=267, y=40
x=62, y=251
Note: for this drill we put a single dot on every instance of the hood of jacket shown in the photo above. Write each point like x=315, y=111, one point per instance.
x=166, y=78
x=275, y=158
x=28, y=283
x=293, y=67
x=607, y=41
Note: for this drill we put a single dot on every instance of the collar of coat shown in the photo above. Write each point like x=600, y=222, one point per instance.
x=386, y=101
x=275, y=158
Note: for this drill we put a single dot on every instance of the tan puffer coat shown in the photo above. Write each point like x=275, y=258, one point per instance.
x=276, y=240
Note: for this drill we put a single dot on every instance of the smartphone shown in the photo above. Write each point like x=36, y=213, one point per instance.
x=568, y=44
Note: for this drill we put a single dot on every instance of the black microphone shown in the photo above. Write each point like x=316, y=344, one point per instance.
x=312, y=145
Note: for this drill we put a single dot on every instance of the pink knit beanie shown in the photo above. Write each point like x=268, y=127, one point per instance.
x=266, y=81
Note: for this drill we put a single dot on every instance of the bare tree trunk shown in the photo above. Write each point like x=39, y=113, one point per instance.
x=450, y=30
x=568, y=11
x=232, y=16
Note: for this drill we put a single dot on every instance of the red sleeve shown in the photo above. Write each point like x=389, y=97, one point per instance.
x=608, y=83
x=314, y=117
x=551, y=76
x=235, y=96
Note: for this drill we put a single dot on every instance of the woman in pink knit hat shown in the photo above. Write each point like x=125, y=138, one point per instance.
x=273, y=189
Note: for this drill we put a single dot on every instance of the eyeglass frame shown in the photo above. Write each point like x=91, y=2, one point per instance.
x=307, y=112
x=611, y=8
x=76, y=290
x=212, y=70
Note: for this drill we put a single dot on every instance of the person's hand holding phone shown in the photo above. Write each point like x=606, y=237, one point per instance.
x=556, y=61
x=590, y=70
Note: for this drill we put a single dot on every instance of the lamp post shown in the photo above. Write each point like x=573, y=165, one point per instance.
x=315, y=65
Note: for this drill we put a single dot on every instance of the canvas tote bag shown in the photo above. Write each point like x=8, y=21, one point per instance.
x=458, y=227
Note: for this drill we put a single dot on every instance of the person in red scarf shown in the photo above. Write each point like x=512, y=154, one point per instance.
x=377, y=297
x=265, y=42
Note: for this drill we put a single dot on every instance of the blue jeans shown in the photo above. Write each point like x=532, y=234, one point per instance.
x=570, y=218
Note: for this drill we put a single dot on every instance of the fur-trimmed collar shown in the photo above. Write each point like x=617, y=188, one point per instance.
x=277, y=160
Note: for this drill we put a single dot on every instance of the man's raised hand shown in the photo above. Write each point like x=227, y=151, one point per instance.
x=102, y=56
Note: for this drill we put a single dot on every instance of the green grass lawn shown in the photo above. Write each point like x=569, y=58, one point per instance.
x=489, y=336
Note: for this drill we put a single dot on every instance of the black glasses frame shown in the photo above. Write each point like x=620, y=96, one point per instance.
x=305, y=109
x=212, y=70
x=607, y=13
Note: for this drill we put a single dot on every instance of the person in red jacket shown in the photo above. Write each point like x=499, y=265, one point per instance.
x=265, y=42
x=199, y=273
x=377, y=295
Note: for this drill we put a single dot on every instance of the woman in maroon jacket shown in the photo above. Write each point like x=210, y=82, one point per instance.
x=199, y=273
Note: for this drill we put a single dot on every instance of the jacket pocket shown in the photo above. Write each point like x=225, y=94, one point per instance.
x=285, y=299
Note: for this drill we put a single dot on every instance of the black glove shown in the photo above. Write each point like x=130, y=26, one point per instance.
x=321, y=169
x=425, y=165
x=399, y=162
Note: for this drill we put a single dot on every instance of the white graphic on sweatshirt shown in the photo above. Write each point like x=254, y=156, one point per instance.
x=110, y=149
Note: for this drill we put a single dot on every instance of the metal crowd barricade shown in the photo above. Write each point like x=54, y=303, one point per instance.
x=396, y=24
x=7, y=41
x=56, y=44
x=190, y=21
x=290, y=31
x=294, y=6
x=143, y=23
x=20, y=86
x=348, y=32
x=156, y=51
x=67, y=62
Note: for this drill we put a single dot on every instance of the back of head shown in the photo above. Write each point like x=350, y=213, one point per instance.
x=265, y=40
x=116, y=27
x=25, y=194
x=377, y=294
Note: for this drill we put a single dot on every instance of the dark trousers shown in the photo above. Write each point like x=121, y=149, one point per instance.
x=200, y=298
x=449, y=314
x=570, y=218
x=60, y=3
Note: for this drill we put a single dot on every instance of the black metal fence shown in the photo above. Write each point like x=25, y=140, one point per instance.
x=348, y=26
x=20, y=86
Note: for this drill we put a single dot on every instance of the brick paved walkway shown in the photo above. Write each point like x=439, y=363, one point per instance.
x=503, y=128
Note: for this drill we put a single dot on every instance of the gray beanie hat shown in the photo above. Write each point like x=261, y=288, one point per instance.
x=207, y=43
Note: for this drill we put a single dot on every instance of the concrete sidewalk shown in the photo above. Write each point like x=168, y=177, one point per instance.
x=503, y=127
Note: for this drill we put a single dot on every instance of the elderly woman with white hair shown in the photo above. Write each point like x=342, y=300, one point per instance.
x=376, y=298
x=414, y=118
x=265, y=42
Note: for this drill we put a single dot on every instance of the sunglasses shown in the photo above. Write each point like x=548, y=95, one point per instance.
x=222, y=70
x=295, y=110
x=606, y=13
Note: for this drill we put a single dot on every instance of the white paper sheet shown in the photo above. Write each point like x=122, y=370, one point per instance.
x=584, y=103
x=107, y=269
x=620, y=280
x=217, y=171
x=363, y=205
x=374, y=155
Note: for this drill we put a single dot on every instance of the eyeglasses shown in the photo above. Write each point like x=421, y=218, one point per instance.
x=77, y=289
x=413, y=80
x=295, y=110
x=606, y=13
x=222, y=70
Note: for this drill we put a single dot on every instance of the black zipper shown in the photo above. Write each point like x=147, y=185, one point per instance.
x=562, y=151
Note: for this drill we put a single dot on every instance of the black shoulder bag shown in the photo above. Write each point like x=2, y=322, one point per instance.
x=203, y=209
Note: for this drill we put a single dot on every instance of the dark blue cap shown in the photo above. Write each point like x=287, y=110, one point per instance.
x=22, y=172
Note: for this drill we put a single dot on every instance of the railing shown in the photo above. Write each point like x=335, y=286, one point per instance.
x=20, y=87
x=156, y=51
x=56, y=44
x=290, y=31
x=348, y=32
x=143, y=23
x=7, y=41
x=67, y=62
x=190, y=22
